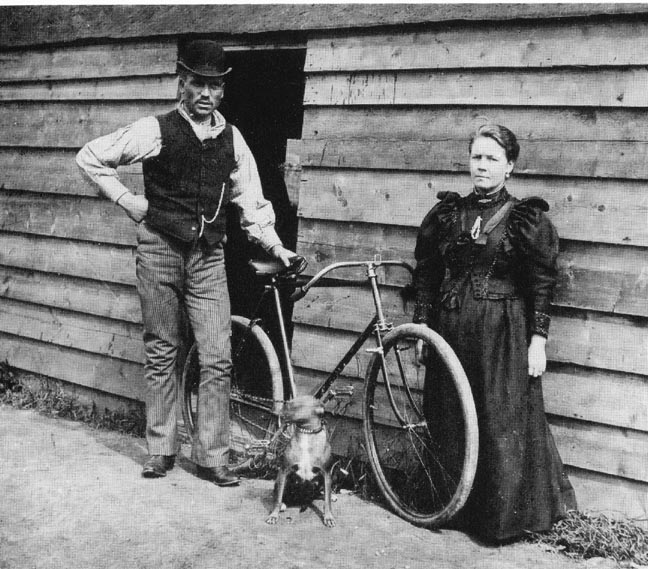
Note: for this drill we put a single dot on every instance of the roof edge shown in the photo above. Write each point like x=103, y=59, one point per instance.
x=22, y=26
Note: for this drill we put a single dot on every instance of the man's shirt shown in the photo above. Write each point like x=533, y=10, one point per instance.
x=142, y=139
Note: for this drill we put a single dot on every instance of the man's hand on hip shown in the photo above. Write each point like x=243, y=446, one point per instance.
x=135, y=206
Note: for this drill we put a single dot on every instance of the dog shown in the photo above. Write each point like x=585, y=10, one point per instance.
x=307, y=453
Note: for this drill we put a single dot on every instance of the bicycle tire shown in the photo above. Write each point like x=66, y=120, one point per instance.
x=256, y=393
x=423, y=479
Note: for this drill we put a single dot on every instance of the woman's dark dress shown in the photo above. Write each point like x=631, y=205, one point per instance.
x=486, y=297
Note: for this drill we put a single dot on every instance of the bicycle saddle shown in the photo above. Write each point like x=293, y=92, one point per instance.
x=276, y=267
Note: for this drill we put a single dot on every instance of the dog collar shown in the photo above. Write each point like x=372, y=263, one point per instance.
x=310, y=431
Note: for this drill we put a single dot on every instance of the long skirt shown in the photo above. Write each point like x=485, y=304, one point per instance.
x=520, y=484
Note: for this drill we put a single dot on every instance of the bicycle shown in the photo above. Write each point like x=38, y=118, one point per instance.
x=424, y=479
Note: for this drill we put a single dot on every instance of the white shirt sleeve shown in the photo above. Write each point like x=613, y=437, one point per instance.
x=256, y=212
x=100, y=158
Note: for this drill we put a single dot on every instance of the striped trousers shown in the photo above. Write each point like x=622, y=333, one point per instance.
x=172, y=278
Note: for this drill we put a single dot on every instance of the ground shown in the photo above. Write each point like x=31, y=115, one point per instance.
x=73, y=498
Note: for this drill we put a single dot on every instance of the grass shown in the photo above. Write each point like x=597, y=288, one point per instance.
x=50, y=399
x=583, y=536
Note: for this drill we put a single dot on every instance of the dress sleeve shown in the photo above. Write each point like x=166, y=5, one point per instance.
x=536, y=240
x=430, y=269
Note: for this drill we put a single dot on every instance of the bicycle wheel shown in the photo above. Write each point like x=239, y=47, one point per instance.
x=256, y=393
x=420, y=426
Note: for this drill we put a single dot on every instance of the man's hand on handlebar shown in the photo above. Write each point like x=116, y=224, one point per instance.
x=283, y=254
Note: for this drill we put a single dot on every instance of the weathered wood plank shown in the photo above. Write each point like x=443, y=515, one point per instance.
x=81, y=368
x=621, y=494
x=541, y=44
x=605, y=397
x=594, y=159
x=102, y=336
x=22, y=25
x=586, y=339
x=326, y=242
x=573, y=392
x=55, y=171
x=292, y=175
x=605, y=278
x=602, y=449
x=81, y=218
x=585, y=210
x=598, y=341
x=564, y=87
x=372, y=197
x=69, y=125
x=99, y=298
x=87, y=260
x=610, y=495
x=146, y=88
x=123, y=59
x=102, y=60
x=548, y=124
x=350, y=308
x=331, y=346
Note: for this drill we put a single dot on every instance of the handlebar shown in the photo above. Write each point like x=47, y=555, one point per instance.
x=369, y=265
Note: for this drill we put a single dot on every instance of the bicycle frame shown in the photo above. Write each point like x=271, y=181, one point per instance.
x=378, y=325
x=394, y=424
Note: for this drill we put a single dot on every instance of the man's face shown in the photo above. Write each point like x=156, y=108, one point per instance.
x=201, y=95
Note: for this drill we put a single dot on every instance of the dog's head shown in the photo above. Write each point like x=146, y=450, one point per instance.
x=302, y=409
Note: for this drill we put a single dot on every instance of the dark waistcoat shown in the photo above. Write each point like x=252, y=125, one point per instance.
x=185, y=182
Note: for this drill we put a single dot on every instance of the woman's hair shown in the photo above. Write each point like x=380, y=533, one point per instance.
x=500, y=134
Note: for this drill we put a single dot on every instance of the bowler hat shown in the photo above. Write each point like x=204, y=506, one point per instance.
x=203, y=57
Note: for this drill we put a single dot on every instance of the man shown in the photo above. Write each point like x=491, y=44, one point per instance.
x=194, y=164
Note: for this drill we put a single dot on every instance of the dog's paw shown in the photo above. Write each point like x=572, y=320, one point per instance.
x=272, y=519
x=329, y=521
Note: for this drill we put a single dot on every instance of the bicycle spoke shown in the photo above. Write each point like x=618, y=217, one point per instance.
x=397, y=354
x=418, y=463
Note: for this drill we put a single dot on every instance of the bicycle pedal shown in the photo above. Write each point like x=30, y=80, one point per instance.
x=377, y=350
x=258, y=446
x=346, y=391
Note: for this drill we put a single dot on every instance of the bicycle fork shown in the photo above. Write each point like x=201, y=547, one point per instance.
x=381, y=327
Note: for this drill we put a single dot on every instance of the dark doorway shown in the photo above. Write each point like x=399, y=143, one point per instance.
x=264, y=98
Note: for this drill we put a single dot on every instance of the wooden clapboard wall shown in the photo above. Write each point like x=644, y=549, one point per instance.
x=387, y=120
x=387, y=117
x=69, y=307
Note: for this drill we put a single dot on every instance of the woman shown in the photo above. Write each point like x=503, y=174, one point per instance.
x=486, y=270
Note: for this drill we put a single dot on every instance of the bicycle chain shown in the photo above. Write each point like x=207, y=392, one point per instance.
x=255, y=398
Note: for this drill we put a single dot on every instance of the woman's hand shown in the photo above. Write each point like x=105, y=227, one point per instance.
x=135, y=206
x=537, y=355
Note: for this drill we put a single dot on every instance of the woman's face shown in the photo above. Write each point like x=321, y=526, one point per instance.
x=488, y=164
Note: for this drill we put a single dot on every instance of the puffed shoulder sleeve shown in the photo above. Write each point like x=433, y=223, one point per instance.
x=429, y=270
x=535, y=238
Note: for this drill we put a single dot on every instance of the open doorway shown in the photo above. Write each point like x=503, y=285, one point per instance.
x=264, y=98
